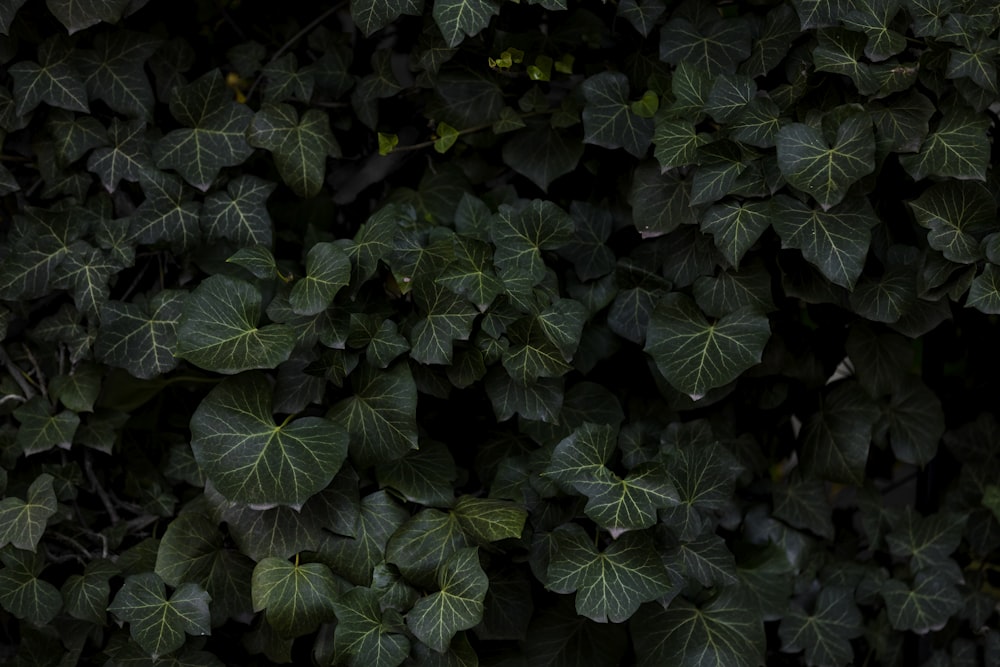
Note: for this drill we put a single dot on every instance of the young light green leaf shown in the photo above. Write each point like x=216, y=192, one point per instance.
x=296, y=598
x=300, y=146
x=215, y=135
x=958, y=148
x=925, y=606
x=609, y=585
x=219, y=330
x=825, y=634
x=240, y=213
x=695, y=355
x=827, y=171
x=458, y=605
x=250, y=459
x=365, y=633
x=22, y=522
x=957, y=214
x=608, y=120
x=835, y=440
x=22, y=593
x=140, y=337
x=458, y=18
x=381, y=416
x=158, y=623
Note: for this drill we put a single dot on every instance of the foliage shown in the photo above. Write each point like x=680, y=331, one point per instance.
x=471, y=332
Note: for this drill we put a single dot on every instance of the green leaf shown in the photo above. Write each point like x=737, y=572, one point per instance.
x=803, y=503
x=608, y=119
x=76, y=15
x=542, y=345
x=540, y=400
x=842, y=52
x=704, y=475
x=78, y=390
x=113, y=72
x=425, y=476
x=725, y=631
x=22, y=593
x=373, y=15
x=167, y=214
x=958, y=148
x=158, y=623
x=728, y=96
x=520, y=234
x=720, y=164
x=758, y=124
x=660, y=202
x=297, y=598
x=8, y=11
x=140, y=337
x=821, y=13
x=827, y=171
x=366, y=633
x=957, y=214
x=486, y=520
x=927, y=541
x=445, y=318
x=126, y=156
x=285, y=80
x=240, y=213
x=22, y=522
x=885, y=299
x=250, y=459
x=736, y=226
x=676, y=141
x=705, y=559
x=916, y=422
x=881, y=362
x=825, y=634
x=781, y=27
x=327, y=270
x=458, y=605
x=542, y=153
x=873, y=18
x=560, y=636
x=381, y=416
x=256, y=259
x=642, y=14
x=446, y=137
x=73, y=136
x=717, y=47
x=588, y=250
x=421, y=546
x=52, y=80
x=835, y=241
x=87, y=594
x=42, y=428
x=926, y=605
x=215, y=135
x=458, y=18
x=471, y=273
x=696, y=355
x=356, y=557
x=984, y=295
x=300, y=146
x=86, y=272
x=218, y=329
x=835, y=440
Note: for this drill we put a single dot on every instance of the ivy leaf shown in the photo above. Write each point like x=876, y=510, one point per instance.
x=803, y=504
x=140, y=337
x=240, y=213
x=926, y=605
x=79, y=389
x=256, y=259
x=52, y=80
x=608, y=119
x=609, y=585
x=884, y=299
x=957, y=214
x=487, y=520
x=446, y=317
x=521, y=234
x=22, y=592
x=958, y=148
x=423, y=476
x=695, y=355
x=984, y=295
x=355, y=557
x=76, y=15
x=87, y=594
x=380, y=417
x=373, y=15
x=976, y=62
x=728, y=96
x=558, y=635
x=218, y=329
x=835, y=241
x=927, y=541
x=706, y=559
x=780, y=28
x=458, y=605
x=365, y=632
x=720, y=164
x=542, y=153
x=842, y=52
x=916, y=422
x=215, y=135
x=540, y=400
x=704, y=475
x=113, y=72
x=327, y=270
x=167, y=214
x=676, y=141
x=41, y=428
x=158, y=623
x=125, y=157
x=421, y=546
x=588, y=251
x=642, y=14
x=725, y=631
x=824, y=634
x=731, y=290
x=836, y=439
x=458, y=18
x=22, y=522
x=249, y=459
x=660, y=202
x=736, y=226
x=471, y=273
x=74, y=135
x=718, y=47
x=300, y=146
x=873, y=18
x=297, y=598
x=821, y=13
x=827, y=171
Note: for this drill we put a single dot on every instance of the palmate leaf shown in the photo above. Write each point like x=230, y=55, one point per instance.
x=825, y=634
x=22, y=592
x=471, y=273
x=381, y=416
x=885, y=299
x=642, y=14
x=300, y=146
x=156, y=622
x=608, y=119
x=731, y=291
x=609, y=585
x=74, y=135
x=215, y=135
x=520, y=234
x=363, y=632
x=821, y=13
x=803, y=503
x=218, y=329
x=167, y=215
x=984, y=295
x=373, y=15
x=660, y=202
x=240, y=213
x=297, y=598
x=842, y=52
x=873, y=18
x=460, y=18
x=718, y=47
x=780, y=28
x=695, y=355
x=22, y=522
x=42, y=428
x=86, y=595
x=421, y=545
x=542, y=153
x=85, y=272
x=356, y=557
x=827, y=171
x=676, y=141
x=916, y=422
x=835, y=241
x=926, y=605
x=927, y=541
x=53, y=79
x=958, y=148
x=445, y=318
x=126, y=155
x=425, y=476
x=957, y=214
x=540, y=400
x=39, y=241
x=140, y=337
x=727, y=631
x=113, y=72
x=704, y=474
x=327, y=270
x=705, y=559
x=250, y=459
x=76, y=15
x=837, y=438
x=79, y=389
x=458, y=605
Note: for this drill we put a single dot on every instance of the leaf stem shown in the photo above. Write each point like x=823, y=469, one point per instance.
x=88, y=468
x=468, y=130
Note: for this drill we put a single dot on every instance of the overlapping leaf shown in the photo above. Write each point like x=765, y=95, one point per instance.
x=300, y=145
x=295, y=597
x=22, y=522
x=458, y=605
x=140, y=337
x=836, y=439
x=608, y=119
x=158, y=623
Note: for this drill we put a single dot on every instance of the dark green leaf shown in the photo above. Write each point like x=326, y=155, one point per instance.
x=642, y=14
x=958, y=148
x=167, y=215
x=542, y=153
x=717, y=47
x=300, y=146
x=780, y=28
x=327, y=270
x=140, y=337
x=22, y=593
x=957, y=214
x=126, y=156
x=824, y=634
x=803, y=503
x=885, y=299
x=297, y=598
x=52, y=80
x=365, y=632
x=373, y=15
x=874, y=18
x=660, y=202
x=458, y=18
x=423, y=544
x=821, y=13
x=87, y=594
x=79, y=14
x=540, y=400
x=486, y=520
x=608, y=120
x=704, y=476
x=928, y=541
x=22, y=522
x=916, y=422
x=158, y=623
x=425, y=476
x=835, y=440
x=705, y=559
x=984, y=295
x=42, y=428
x=113, y=72
x=676, y=141
x=240, y=213
x=355, y=557
x=445, y=318
x=926, y=605
x=78, y=390
x=458, y=605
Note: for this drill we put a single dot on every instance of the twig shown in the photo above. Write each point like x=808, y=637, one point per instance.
x=17, y=373
x=39, y=375
x=66, y=539
x=88, y=468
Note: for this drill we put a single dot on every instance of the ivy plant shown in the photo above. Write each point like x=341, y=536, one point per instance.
x=469, y=332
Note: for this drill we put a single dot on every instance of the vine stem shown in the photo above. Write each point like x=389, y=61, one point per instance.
x=468, y=130
x=17, y=373
x=88, y=468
